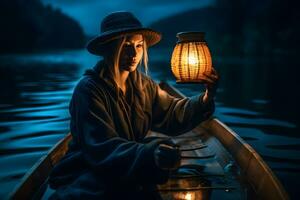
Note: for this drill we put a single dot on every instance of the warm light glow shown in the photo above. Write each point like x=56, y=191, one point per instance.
x=188, y=196
x=191, y=58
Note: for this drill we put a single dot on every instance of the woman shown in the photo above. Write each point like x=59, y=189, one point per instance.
x=113, y=107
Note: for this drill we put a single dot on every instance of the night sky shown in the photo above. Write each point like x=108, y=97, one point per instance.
x=89, y=13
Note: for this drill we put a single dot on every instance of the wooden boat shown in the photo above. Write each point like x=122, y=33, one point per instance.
x=216, y=164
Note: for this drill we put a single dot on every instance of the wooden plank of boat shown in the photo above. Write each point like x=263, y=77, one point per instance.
x=208, y=149
x=33, y=184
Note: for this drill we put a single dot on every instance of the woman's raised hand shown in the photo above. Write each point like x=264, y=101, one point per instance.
x=211, y=81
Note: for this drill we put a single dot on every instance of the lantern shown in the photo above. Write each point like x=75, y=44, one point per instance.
x=191, y=58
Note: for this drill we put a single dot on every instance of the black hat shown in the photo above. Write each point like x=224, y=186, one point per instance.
x=116, y=25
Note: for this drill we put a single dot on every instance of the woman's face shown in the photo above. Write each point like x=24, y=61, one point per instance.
x=131, y=53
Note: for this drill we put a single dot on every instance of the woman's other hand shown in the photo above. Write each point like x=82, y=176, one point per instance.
x=167, y=156
x=211, y=81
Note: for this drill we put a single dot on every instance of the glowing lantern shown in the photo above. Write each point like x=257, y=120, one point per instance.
x=191, y=58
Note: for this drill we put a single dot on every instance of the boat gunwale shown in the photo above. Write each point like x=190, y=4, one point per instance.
x=46, y=162
x=254, y=165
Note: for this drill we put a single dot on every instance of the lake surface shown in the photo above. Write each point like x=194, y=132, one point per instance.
x=257, y=98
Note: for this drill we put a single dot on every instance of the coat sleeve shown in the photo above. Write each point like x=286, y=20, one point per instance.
x=114, y=158
x=174, y=116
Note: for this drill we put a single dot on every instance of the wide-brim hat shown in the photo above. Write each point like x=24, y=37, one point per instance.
x=118, y=24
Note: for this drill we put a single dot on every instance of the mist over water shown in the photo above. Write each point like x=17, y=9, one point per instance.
x=257, y=98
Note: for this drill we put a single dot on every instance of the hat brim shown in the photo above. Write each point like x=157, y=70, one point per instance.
x=97, y=45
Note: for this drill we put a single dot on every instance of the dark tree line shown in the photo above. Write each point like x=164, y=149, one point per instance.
x=262, y=26
x=28, y=25
x=241, y=27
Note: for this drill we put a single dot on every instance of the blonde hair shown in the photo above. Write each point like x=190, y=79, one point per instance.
x=112, y=58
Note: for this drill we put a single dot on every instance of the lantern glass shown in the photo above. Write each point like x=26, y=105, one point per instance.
x=191, y=58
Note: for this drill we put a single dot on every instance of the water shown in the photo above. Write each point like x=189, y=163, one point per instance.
x=257, y=98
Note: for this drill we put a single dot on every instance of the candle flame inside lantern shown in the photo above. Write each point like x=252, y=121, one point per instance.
x=192, y=60
x=191, y=57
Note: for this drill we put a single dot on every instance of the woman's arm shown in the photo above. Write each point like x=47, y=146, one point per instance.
x=174, y=116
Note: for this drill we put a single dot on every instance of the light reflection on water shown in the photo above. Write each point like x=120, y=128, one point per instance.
x=36, y=92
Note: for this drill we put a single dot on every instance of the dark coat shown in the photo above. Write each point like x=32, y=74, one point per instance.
x=107, y=152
